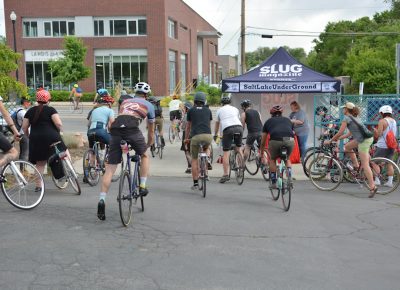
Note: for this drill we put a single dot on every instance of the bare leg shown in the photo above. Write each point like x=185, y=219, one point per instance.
x=11, y=155
x=145, y=165
x=367, y=169
x=110, y=170
x=195, y=168
x=225, y=163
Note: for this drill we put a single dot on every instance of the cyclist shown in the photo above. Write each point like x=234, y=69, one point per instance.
x=175, y=112
x=19, y=118
x=385, y=124
x=10, y=153
x=251, y=118
x=280, y=130
x=186, y=146
x=100, y=92
x=159, y=118
x=76, y=94
x=126, y=127
x=228, y=117
x=198, y=130
x=352, y=123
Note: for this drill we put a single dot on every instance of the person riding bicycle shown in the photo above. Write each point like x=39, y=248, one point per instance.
x=352, y=123
x=76, y=95
x=159, y=118
x=280, y=130
x=228, y=117
x=10, y=153
x=132, y=112
x=198, y=130
x=252, y=119
x=175, y=111
x=186, y=147
x=100, y=92
x=385, y=124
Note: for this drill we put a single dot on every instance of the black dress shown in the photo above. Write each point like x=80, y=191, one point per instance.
x=43, y=133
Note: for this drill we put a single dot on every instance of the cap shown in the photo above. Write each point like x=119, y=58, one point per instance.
x=386, y=109
x=349, y=105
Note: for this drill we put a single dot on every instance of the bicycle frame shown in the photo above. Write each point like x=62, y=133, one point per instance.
x=133, y=178
x=64, y=156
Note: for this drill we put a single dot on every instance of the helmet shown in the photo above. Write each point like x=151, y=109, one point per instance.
x=25, y=99
x=105, y=99
x=152, y=99
x=142, y=87
x=43, y=96
x=225, y=100
x=386, y=109
x=175, y=97
x=276, y=109
x=76, y=86
x=102, y=92
x=188, y=105
x=245, y=104
x=200, y=97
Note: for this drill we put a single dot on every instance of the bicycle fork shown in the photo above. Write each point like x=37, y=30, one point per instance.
x=17, y=173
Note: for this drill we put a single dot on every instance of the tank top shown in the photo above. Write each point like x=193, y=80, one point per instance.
x=253, y=121
x=382, y=139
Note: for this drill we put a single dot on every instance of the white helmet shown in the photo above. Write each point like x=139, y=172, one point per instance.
x=386, y=109
x=142, y=87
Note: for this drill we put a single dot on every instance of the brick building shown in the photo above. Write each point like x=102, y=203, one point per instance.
x=163, y=42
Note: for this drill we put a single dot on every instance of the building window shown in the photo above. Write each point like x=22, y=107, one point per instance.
x=38, y=73
x=71, y=28
x=47, y=28
x=172, y=71
x=99, y=28
x=183, y=73
x=30, y=29
x=142, y=26
x=132, y=27
x=59, y=28
x=171, y=29
x=128, y=27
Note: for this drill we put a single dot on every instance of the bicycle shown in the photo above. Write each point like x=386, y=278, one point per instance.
x=157, y=148
x=23, y=188
x=203, y=165
x=174, y=130
x=236, y=162
x=75, y=108
x=94, y=160
x=71, y=177
x=128, y=191
x=284, y=183
x=254, y=163
x=326, y=173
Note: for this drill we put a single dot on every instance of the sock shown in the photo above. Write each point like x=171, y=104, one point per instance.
x=289, y=170
x=195, y=182
x=272, y=175
x=143, y=182
x=103, y=196
x=390, y=179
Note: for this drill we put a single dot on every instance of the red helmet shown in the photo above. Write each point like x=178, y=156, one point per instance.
x=105, y=99
x=276, y=109
x=43, y=96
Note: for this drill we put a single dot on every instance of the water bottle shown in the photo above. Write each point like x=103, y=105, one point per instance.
x=124, y=147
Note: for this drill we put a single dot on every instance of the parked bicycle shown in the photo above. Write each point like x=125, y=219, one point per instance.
x=129, y=183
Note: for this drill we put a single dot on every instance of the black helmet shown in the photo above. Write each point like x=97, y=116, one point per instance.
x=152, y=99
x=200, y=97
x=276, y=110
x=225, y=100
x=188, y=105
x=245, y=104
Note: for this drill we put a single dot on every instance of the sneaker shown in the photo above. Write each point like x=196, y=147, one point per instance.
x=377, y=181
x=39, y=189
x=84, y=180
x=224, y=179
x=101, y=210
x=188, y=170
x=143, y=191
x=195, y=187
x=387, y=184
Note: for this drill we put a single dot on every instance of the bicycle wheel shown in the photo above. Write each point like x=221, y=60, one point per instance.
x=171, y=134
x=274, y=192
x=80, y=107
x=125, y=198
x=380, y=169
x=325, y=173
x=71, y=175
x=317, y=152
x=71, y=105
x=239, y=173
x=23, y=193
x=231, y=163
x=160, y=152
x=252, y=164
x=264, y=167
x=91, y=170
x=286, y=190
x=203, y=177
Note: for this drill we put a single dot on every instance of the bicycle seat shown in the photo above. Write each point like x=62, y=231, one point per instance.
x=284, y=153
x=55, y=144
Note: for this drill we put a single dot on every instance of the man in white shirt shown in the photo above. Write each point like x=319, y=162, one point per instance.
x=175, y=113
x=228, y=117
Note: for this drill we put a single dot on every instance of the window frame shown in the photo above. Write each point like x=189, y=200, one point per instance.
x=29, y=22
x=137, y=30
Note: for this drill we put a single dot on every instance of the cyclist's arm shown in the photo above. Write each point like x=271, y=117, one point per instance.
x=340, y=132
x=150, y=133
x=243, y=120
x=57, y=121
x=110, y=121
x=188, y=128
x=8, y=119
x=263, y=141
x=381, y=127
x=216, y=129
x=25, y=126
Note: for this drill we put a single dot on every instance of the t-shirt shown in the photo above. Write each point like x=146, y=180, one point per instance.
x=20, y=118
x=44, y=126
x=228, y=116
x=253, y=121
x=303, y=129
x=102, y=115
x=278, y=127
x=139, y=108
x=200, y=118
x=353, y=128
x=174, y=105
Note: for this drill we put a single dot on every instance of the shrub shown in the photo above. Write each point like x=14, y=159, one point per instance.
x=164, y=102
x=63, y=96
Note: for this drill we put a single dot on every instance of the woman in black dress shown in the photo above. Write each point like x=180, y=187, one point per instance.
x=45, y=124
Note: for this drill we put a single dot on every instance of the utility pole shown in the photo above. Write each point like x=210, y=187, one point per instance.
x=243, y=42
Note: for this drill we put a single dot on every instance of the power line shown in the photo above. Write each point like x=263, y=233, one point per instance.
x=227, y=14
x=315, y=9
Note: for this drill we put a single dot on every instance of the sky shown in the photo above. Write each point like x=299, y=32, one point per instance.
x=291, y=15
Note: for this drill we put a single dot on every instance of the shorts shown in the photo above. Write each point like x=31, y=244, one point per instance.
x=159, y=123
x=100, y=135
x=229, y=134
x=196, y=140
x=252, y=137
x=274, y=147
x=365, y=145
x=5, y=145
x=384, y=152
x=177, y=114
x=133, y=136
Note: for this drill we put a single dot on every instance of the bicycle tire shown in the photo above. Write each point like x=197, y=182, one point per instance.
x=125, y=198
x=91, y=173
x=239, y=173
x=203, y=176
x=274, y=192
x=310, y=157
x=25, y=197
x=71, y=105
x=171, y=135
x=160, y=152
x=325, y=173
x=286, y=193
x=382, y=175
x=70, y=173
x=265, y=167
x=252, y=165
x=80, y=107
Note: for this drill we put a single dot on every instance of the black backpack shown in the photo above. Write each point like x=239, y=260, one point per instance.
x=157, y=109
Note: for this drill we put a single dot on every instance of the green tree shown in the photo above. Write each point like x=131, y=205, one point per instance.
x=71, y=68
x=8, y=65
x=2, y=40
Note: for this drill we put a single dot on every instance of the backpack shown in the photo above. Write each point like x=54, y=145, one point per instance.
x=157, y=109
x=14, y=117
x=390, y=139
x=79, y=90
